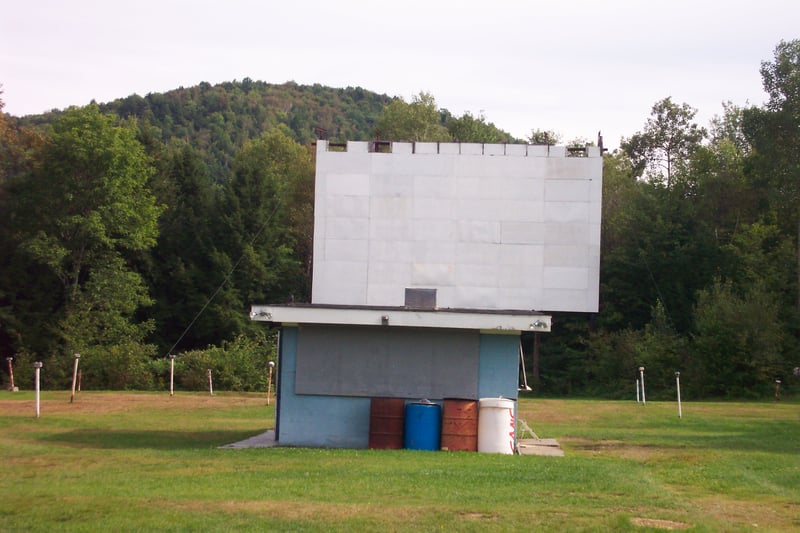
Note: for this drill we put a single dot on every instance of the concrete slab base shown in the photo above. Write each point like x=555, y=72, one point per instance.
x=549, y=447
x=264, y=440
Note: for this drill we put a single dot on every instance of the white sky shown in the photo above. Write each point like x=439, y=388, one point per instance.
x=572, y=66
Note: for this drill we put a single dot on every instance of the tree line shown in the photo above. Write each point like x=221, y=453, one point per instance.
x=148, y=225
x=700, y=258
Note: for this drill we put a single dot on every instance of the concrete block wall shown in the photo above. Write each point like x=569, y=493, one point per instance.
x=337, y=421
x=490, y=226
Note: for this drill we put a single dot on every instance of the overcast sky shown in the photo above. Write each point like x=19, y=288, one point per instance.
x=574, y=66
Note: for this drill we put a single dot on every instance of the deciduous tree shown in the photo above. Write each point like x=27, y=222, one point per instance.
x=76, y=216
x=270, y=191
x=539, y=136
x=737, y=340
x=774, y=132
x=468, y=128
x=419, y=120
x=666, y=144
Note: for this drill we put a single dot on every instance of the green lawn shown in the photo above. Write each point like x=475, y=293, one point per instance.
x=143, y=461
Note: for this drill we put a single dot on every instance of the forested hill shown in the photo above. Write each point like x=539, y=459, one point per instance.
x=218, y=119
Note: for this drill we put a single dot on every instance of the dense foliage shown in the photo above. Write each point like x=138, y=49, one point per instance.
x=700, y=257
x=148, y=226
x=216, y=120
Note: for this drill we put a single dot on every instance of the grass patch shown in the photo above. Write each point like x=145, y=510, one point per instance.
x=139, y=461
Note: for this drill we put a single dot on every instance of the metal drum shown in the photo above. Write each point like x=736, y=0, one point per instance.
x=386, y=423
x=460, y=425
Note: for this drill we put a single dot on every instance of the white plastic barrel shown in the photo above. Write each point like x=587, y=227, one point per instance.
x=496, y=425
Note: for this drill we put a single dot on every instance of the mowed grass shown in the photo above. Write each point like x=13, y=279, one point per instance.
x=145, y=461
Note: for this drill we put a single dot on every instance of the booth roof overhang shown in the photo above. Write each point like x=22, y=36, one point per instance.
x=485, y=320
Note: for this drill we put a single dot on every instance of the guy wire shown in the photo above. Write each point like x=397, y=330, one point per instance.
x=227, y=277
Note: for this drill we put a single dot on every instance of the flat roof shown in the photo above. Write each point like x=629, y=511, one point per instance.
x=488, y=320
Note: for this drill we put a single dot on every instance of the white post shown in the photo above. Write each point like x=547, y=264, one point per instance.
x=38, y=366
x=74, y=377
x=641, y=377
x=678, y=383
x=269, y=380
x=637, y=391
x=210, y=384
x=171, y=374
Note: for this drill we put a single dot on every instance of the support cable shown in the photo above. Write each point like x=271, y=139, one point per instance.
x=227, y=277
x=658, y=289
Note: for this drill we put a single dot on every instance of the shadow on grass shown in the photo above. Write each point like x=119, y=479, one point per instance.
x=743, y=436
x=777, y=436
x=154, y=439
x=760, y=441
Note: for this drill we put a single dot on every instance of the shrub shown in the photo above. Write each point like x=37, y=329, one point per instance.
x=238, y=365
x=118, y=367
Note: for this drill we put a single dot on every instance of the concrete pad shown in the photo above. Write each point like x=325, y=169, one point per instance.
x=264, y=440
x=540, y=442
x=548, y=447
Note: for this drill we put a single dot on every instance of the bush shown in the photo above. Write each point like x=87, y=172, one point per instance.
x=118, y=367
x=238, y=365
x=738, y=341
x=56, y=371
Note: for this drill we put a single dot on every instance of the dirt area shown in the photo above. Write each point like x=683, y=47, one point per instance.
x=89, y=402
x=659, y=524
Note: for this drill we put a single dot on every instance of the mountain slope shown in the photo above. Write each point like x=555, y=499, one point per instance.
x=219, y=119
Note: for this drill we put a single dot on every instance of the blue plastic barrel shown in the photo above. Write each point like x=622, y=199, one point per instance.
x=423, y=426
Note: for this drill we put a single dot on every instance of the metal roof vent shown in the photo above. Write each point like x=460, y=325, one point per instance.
x=421, y=298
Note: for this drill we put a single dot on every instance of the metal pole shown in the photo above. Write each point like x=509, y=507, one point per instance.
x=210, y=384
x=269, y=380
x=171, y=374
x=74, y=377
x=637, y=391
x=37, y=366
x=641, y=377
x=11, y=373
x=678, y=384
x=536, y=356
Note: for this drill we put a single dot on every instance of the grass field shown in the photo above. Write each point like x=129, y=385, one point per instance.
x=144, y=461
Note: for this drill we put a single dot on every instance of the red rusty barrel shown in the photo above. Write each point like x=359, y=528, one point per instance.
x=386, y=421
x=460, y=425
